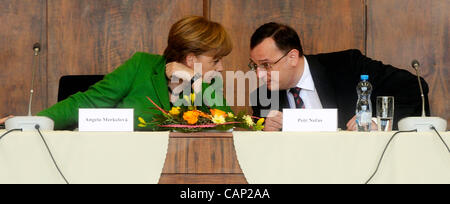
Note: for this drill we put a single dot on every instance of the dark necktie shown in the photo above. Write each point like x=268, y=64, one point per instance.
x=298, y=101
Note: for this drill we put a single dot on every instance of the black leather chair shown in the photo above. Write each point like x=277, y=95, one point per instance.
x=72, y=84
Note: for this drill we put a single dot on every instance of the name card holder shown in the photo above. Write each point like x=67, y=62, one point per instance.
x=106, y=120
x=310, y=120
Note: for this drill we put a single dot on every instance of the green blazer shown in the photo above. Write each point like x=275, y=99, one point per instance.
x=126, y=87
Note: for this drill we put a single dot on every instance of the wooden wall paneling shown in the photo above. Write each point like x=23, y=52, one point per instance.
x=22, y=24
x=402, y=30
x=95, y=37
x=323, y=25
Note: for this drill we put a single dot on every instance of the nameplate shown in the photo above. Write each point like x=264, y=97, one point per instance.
x=310, y=120
x=106, y=120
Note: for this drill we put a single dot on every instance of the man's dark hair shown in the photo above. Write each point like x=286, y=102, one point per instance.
x=284, y=36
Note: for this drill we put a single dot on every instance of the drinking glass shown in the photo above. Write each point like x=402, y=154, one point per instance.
x=385, y=113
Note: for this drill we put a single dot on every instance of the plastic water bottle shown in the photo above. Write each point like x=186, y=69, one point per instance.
x=364, y=105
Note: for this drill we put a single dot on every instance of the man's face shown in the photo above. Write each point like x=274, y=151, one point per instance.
x=267, y=54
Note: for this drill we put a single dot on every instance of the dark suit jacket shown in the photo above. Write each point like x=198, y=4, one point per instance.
x=336, y=76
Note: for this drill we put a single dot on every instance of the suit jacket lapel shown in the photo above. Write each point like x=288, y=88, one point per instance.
x=322, y=83
x=284, y=102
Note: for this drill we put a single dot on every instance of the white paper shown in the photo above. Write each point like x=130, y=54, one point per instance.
x=310, y=120
x=106, y=120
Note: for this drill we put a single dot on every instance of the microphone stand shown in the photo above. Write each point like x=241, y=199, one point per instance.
x=422, y=124
x=416, y=65
x=37, y=50
x=28, y=123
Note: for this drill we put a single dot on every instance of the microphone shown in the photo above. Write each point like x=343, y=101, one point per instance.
x=421, y=124
x=37, y=49
x=415, y=64
x=28, y=123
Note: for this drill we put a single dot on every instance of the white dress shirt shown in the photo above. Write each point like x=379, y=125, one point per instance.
x=308, y=93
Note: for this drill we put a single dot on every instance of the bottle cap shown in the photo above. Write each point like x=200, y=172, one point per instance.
x=364, y=77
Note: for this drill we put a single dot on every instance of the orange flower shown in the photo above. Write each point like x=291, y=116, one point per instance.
x=204, y=115
x=218, y=113
x=191, y=117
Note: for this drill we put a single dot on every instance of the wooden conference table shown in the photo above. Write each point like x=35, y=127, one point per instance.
x=229, y=158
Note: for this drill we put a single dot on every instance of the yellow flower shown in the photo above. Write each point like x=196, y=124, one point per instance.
x=259, y=125
x=186, y=98
x=260, y=122
x=218, y=120
x=230, y=115
x=248, y=120
x=175, y=111
x=191, y=117
x=143, y=123
x=141, y=120
x=192, y=98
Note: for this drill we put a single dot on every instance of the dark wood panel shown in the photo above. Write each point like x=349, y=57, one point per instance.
x=201, y=156
x=22, y=24
x=402, y=30
x=323, y=25
x=202, y=179
x=201, y=135
x=95, y=37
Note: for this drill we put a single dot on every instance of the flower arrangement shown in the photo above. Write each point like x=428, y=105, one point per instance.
x=192, y=119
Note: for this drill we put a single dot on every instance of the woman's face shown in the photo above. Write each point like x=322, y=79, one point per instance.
x=208, y=63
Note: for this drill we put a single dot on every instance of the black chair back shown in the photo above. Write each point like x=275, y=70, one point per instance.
x=72, y=84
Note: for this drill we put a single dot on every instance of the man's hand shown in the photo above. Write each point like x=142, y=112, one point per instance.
x=274, y=122
x=3, y=120
x=351, y=125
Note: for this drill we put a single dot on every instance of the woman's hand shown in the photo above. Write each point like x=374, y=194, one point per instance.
x=179, y=71
x=176, y=71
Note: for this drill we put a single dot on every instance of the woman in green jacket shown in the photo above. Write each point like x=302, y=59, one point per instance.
x=191, y=40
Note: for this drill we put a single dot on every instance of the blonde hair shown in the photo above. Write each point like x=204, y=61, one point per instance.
x=197, y=35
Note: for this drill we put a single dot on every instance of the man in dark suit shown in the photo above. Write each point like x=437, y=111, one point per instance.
x=324, y=81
